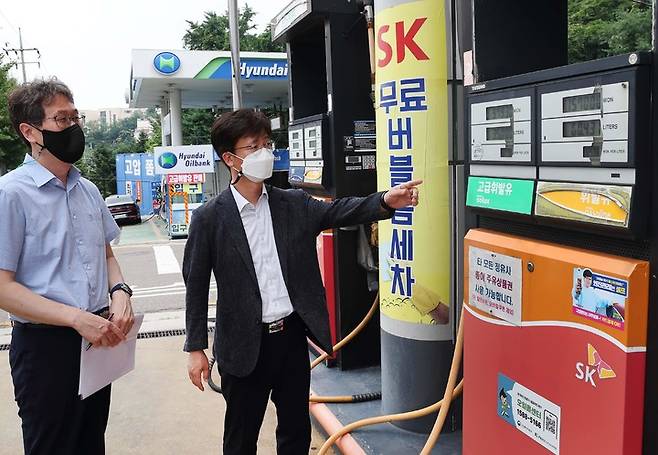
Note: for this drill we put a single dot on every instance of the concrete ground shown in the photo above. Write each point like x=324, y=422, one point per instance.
x=155, y=409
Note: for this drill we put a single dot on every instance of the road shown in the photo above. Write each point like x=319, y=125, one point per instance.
x=151, y=265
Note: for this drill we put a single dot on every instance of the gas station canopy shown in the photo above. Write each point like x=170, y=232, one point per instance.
x=204, y=78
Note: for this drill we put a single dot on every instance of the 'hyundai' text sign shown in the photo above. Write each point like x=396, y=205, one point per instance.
x=184, y=159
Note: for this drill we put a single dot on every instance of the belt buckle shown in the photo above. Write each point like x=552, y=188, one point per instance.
x=276, y=326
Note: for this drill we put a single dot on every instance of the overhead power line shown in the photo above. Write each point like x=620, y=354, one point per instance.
x=20, y=54
x=7, y=20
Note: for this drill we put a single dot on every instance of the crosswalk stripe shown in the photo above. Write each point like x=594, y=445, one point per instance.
x=165, y=291
x=164, y=286
x=162, y=294
x=166, y=260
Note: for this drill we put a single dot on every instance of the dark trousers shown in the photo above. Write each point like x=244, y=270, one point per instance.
x=45, y=368
x=282, y=370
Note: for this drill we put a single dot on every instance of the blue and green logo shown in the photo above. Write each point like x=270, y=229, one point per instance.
x=166, y=63
x=167, y=160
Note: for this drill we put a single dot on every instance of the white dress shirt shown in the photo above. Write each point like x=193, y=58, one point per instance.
x=257, y=222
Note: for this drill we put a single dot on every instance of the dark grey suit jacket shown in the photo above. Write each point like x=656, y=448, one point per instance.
x=217, y=242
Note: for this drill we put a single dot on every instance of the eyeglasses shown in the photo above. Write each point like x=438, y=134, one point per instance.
x=64, y=121
x=252, y=148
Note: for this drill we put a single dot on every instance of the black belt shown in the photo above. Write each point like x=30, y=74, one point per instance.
x=281, y=324
x=32, y=325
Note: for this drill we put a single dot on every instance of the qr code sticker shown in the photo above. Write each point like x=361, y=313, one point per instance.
x=550, y=423
x=369, y=162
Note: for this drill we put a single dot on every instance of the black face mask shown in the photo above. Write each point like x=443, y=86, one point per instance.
x=67, y=145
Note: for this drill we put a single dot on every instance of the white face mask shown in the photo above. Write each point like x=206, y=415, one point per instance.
x=258, y=165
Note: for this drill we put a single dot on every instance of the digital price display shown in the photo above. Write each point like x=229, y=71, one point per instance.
x=581, y=128
x=505, y=111
x=579, y=103
x=500, y=133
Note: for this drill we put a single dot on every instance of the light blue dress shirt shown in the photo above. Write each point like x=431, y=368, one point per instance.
x=53, y=237
x=589, y=300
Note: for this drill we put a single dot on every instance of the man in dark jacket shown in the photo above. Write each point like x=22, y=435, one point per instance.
x=259, y=242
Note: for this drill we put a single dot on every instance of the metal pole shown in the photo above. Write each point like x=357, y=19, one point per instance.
x=175, y=116
x=650, y=442
x=20, y=42
x=235, y=53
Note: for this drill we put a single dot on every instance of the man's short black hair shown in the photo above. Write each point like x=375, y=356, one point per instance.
x=27, y=100
x=587, y=273
x=231, y=126
x=502, y=393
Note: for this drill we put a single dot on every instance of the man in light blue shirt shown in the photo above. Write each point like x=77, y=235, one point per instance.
x=56, y=268
x=587, y=298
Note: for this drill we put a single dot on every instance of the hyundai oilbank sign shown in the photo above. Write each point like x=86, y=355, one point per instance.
x=207, y=65
x=184, y=159
x=250, y=69
x=166, y=63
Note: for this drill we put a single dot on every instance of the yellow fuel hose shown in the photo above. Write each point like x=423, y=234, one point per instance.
x=352, y=334
x=451, y=392
x=450, y=386
x=328, y=399
x=348, y=398
x=385, y=419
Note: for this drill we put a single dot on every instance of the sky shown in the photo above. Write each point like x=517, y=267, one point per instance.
x=87, y=43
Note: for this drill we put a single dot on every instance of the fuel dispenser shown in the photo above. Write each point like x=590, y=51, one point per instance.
x=556, y=261
x=332, y=147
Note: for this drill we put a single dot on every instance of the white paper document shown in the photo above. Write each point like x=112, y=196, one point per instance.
x=101, y=366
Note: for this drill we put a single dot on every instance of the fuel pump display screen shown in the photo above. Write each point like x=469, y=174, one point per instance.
x=581, y=128
x=578, y=103
x=500, y=133
x=501, y=128
x=506, y=111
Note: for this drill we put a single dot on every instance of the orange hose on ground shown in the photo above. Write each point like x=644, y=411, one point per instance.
x=447, y=396
x=451, y=392
x=386, y=419
x=352, y=334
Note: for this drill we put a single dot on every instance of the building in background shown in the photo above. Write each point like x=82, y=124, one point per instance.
x=109, y=116
x=143, y=126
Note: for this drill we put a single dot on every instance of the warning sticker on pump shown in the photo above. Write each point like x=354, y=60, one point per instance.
x=495, y=283
x=530, y=413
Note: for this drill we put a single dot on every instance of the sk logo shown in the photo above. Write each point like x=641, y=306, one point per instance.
x=595, y=364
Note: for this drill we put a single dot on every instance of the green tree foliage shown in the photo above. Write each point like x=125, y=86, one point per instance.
x=155, y=138
x=213, y=34
x=196, y=126
x=103, y=143
x=142, y=141
x=600, y=28
x=12, y=148
x=99, y=166
x=118, y=135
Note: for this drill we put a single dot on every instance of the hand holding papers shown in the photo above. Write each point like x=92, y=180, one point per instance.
x=100, y=366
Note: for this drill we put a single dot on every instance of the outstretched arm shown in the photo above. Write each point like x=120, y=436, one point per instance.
x=350, y=211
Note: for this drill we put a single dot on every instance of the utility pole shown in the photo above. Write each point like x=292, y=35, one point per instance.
x=20, y=52
x=234, y=35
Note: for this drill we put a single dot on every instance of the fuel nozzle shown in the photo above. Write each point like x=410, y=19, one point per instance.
x=369, y=11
